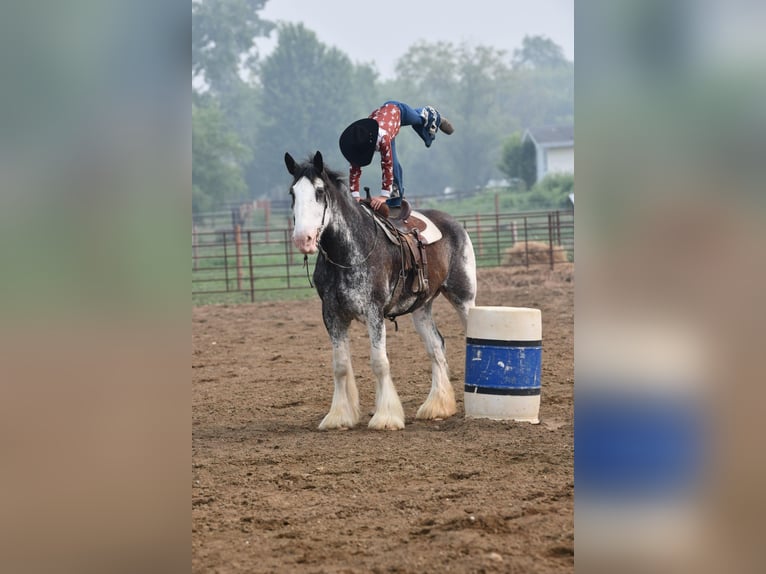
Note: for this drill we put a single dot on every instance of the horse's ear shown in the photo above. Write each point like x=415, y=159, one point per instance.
x=290, y=163
x=318, y=162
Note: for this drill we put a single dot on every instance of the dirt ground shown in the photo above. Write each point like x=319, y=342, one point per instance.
x=271, y=493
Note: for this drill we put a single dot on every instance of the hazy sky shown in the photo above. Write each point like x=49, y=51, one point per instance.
x=381, y=32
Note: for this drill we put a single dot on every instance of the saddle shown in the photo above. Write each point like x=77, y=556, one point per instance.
x=405, y=220
x=411, y=231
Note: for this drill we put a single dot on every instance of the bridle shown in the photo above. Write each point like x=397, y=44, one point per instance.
x=320, y=229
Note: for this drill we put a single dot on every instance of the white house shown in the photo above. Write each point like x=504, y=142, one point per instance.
x=555, y=148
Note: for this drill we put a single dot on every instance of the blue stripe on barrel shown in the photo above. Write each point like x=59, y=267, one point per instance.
x=503, y=367
x=630, y=442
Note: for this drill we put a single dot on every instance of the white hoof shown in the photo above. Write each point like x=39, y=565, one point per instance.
x=386, y=422
x=440, y=407
x=335, y=420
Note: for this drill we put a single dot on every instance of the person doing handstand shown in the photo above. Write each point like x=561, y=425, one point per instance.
x=361, y=139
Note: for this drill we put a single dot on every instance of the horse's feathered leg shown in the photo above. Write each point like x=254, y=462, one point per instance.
x=389, y=413
x=441, y=399
x=344, y=411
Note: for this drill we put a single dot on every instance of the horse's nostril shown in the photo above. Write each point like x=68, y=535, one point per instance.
x=304, y=240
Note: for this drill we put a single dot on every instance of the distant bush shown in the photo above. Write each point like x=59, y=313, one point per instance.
x=557, y=181
x=552, y=192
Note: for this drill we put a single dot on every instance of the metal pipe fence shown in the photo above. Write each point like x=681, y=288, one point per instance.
x=250, y=264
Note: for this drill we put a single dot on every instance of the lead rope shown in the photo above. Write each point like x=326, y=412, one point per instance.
x=306, y=265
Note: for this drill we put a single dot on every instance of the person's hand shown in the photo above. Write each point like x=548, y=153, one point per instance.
x=376, y=202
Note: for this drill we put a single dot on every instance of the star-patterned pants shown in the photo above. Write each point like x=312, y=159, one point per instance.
x=410, y=117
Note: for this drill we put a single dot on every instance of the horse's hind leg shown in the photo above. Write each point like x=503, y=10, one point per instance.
x=441, y=399
x=460, y=286
x=389, y=413
x=344, y=411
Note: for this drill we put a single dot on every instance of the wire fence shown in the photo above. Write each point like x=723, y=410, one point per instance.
x=242, y=264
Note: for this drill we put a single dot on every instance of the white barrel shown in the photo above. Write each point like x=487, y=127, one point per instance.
x=503, y=363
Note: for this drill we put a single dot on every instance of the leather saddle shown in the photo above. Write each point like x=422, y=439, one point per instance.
x=411, y=231
x=404, y=220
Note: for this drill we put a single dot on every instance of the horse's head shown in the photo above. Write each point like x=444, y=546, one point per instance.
x=317, y=192
x=309, y=195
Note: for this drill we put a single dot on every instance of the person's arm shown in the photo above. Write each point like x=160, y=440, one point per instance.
x=386, y=167
x=354, y=175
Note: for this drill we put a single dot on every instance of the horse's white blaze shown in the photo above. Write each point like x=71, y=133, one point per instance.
x=308, y=214
x=344, y=411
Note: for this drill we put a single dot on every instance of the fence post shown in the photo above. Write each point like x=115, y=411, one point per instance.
x=550, y=237
x=497, y=226
x=195, y=247
x=225, y=262
x=558, y=227
x=526, y=243
x=514, y=232
x=478, y=235
x=238, y=252
x=250, y=258
x=289, y=235
x=267, y=217
x=287, y=258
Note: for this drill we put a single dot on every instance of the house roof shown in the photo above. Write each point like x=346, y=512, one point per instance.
x=551, y=136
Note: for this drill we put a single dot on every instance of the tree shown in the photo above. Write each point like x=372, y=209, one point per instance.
x=309, y=94
x=538, y=52
x=518, y=159
x=465, y=84
x=541, y=97
x=217, y=156
x=223, y=34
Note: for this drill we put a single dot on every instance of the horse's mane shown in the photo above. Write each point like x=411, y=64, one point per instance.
x=334, y=177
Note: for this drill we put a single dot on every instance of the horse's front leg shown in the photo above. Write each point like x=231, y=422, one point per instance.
x=389, y=413
x=344, y=411
x=441, y=400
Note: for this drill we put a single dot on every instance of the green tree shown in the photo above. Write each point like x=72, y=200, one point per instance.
x=223, y=34
x=309, y=94
x=465, y=84
x=217, y=156
x=224, y=67
x=518, y=160
x=538, y=97
x=538, y=52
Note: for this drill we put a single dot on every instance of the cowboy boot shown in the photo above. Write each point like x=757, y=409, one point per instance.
x=446, y=126
x=395, y=200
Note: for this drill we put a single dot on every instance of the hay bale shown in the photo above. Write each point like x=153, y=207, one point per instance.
x=539, y=252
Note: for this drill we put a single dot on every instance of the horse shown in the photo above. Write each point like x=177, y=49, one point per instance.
x=360, y=275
